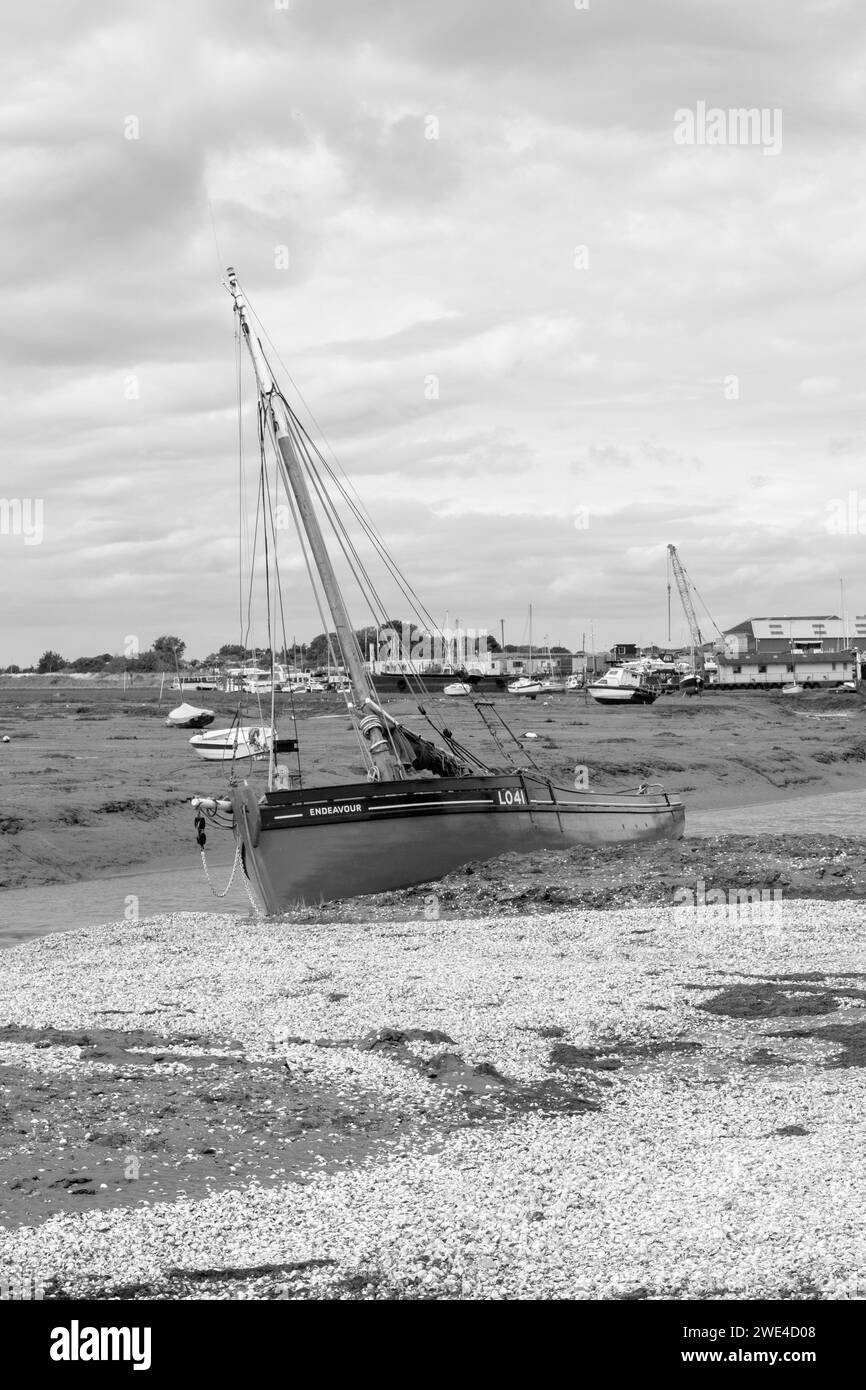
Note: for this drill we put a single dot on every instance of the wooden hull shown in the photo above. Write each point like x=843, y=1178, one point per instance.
x=311, y=846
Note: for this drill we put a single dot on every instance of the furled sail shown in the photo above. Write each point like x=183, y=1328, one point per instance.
x=423, y=756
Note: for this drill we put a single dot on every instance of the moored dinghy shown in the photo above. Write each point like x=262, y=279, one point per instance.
x=188, y=717
x=426, y=807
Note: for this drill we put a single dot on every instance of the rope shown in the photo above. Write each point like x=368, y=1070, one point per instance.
x=321, y=477
x=359, y=510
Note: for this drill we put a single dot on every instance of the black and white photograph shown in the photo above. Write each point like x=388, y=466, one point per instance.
x=433, y=669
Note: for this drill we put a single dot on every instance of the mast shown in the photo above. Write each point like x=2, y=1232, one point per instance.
x=386, y=765
x=530, y=641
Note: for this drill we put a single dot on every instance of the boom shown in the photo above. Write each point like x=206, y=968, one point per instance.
x=688, y=606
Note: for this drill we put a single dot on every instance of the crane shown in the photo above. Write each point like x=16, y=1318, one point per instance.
x=683, y=585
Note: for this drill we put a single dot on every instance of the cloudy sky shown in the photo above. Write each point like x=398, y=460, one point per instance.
x=515, y=299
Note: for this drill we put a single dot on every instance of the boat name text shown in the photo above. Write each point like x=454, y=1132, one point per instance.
x=510, y=798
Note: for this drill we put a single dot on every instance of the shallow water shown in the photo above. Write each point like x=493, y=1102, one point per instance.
x=30, y=912
x=825, y=813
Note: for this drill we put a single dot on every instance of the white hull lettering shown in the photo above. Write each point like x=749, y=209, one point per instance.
x=510, y=798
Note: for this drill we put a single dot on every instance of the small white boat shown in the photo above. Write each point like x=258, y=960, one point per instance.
x=260, y=685
x=224, y=745
x=792, y=689
x=524, y=685
x=188, y=717
x=690, y=683
x=620, y=686
x=457, y=688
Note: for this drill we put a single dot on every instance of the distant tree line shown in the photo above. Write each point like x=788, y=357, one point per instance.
x=168, y=653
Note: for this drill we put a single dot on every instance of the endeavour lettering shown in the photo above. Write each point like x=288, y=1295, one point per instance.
x=336, y=810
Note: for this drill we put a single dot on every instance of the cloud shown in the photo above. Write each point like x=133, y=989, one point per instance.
x=403, y=188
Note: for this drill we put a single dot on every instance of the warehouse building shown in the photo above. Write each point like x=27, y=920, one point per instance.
x=826, y=633
x=772, y=670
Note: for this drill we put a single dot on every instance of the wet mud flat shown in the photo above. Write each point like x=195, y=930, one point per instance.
x=93, y=784
x=620, y=1104
x=712, y=869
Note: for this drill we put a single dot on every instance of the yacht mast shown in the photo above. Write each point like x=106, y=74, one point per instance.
x=387, y=766
x=530, y=641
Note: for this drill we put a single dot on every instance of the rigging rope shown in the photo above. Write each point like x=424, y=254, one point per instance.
x=365, y=521
x=311, y=460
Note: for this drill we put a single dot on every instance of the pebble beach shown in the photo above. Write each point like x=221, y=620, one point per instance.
x=642, y=1102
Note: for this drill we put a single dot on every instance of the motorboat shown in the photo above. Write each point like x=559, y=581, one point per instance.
x=227, y=745
x=691, y=683
x=261, y=685
x=621, y=686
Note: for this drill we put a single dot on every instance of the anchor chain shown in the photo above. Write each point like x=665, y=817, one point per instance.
x=201, y=838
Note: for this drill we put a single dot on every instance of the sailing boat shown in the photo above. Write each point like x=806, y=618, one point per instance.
x=793, y=686
x=425, y=808
x=527, y=685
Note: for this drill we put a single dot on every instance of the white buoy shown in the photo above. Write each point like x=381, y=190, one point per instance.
x=6, y=738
